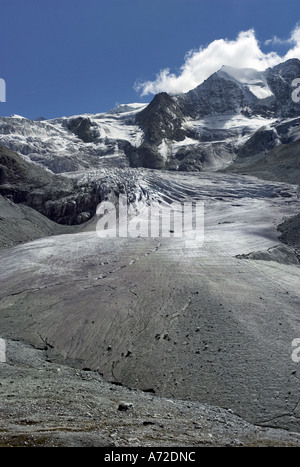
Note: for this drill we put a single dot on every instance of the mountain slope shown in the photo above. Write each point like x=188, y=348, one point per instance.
x=210, y=320
x=281, y=163
x=74, y=143
x=65, y=200
x=203, y=129
x=20, y=224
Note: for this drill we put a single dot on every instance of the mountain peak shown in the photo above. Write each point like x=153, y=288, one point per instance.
x=201, y=128
x=254, y=80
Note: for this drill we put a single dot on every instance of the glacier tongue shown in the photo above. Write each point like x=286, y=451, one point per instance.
x=209, y=320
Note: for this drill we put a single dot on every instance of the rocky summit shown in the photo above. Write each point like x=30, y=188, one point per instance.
x=203, y=129
x=150, y=270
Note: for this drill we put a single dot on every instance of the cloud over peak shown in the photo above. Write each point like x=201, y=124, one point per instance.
x=243, y=52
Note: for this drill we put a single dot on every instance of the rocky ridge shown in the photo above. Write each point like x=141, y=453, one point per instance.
x=204, y=129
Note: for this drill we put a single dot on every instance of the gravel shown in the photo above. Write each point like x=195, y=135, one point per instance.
x=44, y=404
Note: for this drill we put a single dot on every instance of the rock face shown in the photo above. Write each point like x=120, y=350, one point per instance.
x=219, y=94
x=227, y=93
x=280, y=79
x=282, y=254
x=263, y=157
x=246, y=91
x=83, y=128
x=290, y=232
x=262, y=140
x=20, y=223
x=29, y=184
x=161, y=120
x=63, y=200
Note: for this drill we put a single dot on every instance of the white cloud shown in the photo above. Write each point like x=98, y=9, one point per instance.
x=243, y=52
x=294, y=52
x=277, y=41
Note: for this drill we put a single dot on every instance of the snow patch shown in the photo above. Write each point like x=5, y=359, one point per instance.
x=186, y=142
x=227, y=122
x=128, y=108
x=255, y=80
x=261, y=92
x=17, y=116
x=164, y=149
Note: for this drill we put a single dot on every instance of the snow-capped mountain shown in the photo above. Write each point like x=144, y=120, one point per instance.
x=203, y=129
x=74, y=143
x=256, y=81
x=119, y=304
x=206, y=127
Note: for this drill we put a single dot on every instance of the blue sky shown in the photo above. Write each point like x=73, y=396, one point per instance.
x=67, y=57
